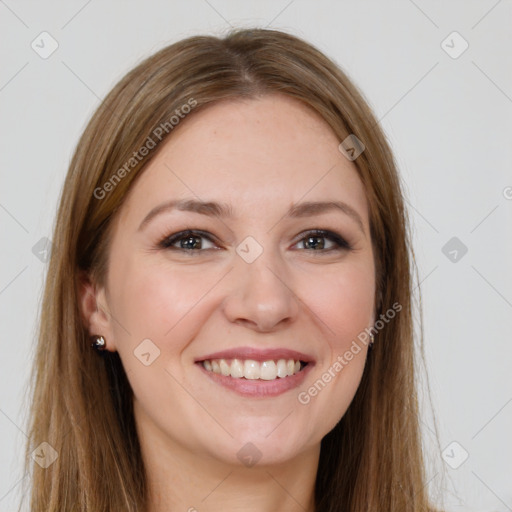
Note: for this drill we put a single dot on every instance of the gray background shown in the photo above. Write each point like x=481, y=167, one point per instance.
x=448, y=118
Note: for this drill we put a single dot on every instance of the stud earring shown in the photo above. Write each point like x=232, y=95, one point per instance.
x=98, y=343
x=372, y=340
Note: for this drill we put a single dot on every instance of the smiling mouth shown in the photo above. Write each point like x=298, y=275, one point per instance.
x=250, y=369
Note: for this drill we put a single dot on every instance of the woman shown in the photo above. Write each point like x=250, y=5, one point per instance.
x=232, y=240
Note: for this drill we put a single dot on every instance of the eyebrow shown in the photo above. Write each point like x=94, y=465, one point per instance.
x=223, y=210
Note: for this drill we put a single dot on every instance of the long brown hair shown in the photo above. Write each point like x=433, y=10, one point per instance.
x=82, y=404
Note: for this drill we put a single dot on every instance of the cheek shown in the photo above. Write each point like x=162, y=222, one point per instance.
x=155, y=300
x=343, y=299
x=166, y=305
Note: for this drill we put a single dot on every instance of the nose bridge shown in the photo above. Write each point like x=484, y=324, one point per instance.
x=260, y=295
x=261, y=266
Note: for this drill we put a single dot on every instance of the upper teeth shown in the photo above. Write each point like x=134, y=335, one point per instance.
x=250, y=369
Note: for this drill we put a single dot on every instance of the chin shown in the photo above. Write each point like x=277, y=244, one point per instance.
x=265, y=443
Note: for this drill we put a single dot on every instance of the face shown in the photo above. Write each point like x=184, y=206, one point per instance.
x=226, y=250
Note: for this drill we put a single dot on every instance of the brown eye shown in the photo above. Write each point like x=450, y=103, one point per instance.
x=190, y=240
x=316, y=241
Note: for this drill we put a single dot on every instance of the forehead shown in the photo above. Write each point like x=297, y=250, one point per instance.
x=257, y=154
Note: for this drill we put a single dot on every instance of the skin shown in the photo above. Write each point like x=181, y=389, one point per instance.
x=259, y=156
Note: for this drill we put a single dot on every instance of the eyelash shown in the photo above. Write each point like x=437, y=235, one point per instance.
x=169, y=241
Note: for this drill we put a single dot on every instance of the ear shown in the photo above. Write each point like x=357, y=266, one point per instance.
x=95, y=310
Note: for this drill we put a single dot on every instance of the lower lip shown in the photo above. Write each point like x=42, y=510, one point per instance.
x=258, y=388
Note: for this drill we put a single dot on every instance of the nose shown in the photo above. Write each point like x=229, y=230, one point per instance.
x=261, y=295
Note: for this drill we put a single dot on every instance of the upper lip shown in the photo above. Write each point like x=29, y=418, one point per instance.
x=257, y=354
